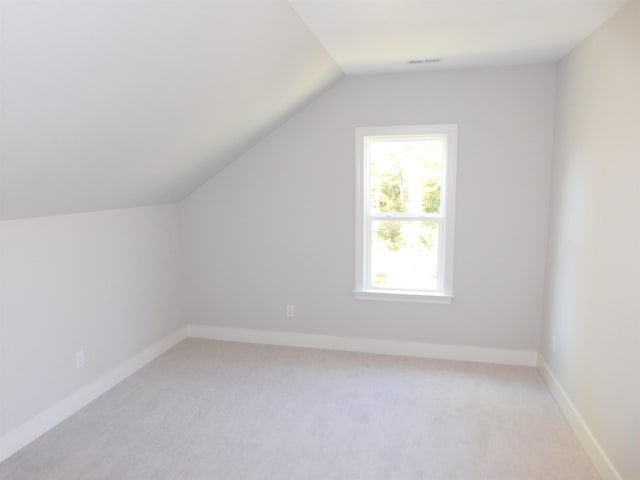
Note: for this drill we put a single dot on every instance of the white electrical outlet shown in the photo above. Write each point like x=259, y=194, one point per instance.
x=80, y=359
x=291, y=311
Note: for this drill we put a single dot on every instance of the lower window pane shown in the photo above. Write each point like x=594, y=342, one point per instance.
x=404, y=254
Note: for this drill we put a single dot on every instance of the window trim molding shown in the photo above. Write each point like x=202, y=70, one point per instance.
x=405, y=296
x=445, y=281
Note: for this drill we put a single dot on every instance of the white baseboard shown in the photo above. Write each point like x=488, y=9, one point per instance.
x=367, y=345
x=44, y=421
x=599, y=458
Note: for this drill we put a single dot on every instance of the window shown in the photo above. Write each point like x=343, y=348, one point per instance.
x=405, y=212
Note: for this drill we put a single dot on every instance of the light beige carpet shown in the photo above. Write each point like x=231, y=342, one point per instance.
x=216, y=410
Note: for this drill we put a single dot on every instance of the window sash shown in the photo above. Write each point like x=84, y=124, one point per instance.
x=368, y=240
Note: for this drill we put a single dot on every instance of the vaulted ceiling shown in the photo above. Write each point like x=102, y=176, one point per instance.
x=120, y=103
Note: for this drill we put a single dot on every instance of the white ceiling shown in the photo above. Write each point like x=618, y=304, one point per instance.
x=120, y=103
x=368, y=36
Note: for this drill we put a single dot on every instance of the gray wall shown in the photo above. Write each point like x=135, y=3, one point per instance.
x=277, y=225
x=105, y=282
x=593, y=279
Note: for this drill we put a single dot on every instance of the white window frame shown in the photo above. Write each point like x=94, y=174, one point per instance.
x=443, y=293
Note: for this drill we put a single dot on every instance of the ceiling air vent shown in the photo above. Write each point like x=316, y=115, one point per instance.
x=421, y=61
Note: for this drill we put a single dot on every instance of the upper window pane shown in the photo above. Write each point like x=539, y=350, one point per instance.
x=405, y=175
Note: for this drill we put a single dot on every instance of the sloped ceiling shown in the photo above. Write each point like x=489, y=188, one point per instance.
x=120, y=103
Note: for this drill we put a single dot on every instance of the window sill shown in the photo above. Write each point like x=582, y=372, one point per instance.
x=400, y=296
